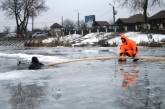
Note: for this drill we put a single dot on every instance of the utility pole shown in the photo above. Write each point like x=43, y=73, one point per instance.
x=78, y=20
x=62, y=21
x=32, y=22
x=32, y=19
x=114, y=12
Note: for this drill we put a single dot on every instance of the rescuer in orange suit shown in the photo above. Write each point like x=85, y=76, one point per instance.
x=128, y=48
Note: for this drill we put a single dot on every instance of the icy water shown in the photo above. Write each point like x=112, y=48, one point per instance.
x=95, y=84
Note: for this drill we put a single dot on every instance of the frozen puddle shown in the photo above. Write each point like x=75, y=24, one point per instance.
x=82, y=85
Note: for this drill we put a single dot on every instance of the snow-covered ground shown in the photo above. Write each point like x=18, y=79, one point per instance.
x=26, y=58
x=94, y=38
x=139, y=37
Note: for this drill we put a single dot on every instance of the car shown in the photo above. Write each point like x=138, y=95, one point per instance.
x=9, y=35
x=39, y=34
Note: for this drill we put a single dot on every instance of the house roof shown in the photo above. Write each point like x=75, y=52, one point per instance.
x=101, y=23
x=159, y=15
x=122, y=20
x=138, y=18
x=56, y=25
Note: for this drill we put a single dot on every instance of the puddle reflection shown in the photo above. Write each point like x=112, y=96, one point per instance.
x=140, y=93
x=129, y=75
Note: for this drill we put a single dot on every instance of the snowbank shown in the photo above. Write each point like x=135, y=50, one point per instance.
x=49, y=40
x=111, y=38
x=27, y=57
x=138, y=37
x=72, y=37
x=93, y=38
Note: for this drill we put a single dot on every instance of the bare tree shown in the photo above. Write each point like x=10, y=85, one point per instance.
x=82, y=24
x=6, y=29
x=69, y=24
x=45, y=28
x=141, y=5
x=22, y=10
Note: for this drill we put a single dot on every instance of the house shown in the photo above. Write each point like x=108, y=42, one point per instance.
x=96, y=26
x=157, y=21
x=56, y=30
x=101, y=26
x=132, y=23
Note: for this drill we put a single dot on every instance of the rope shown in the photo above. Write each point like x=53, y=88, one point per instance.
x=142, y=58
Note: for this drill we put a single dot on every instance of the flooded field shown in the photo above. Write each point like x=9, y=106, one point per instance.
x=95, y=84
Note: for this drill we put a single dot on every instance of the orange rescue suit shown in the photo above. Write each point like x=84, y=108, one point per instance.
x=128, y=47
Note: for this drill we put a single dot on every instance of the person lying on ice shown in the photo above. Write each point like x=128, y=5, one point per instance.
x=128, y=48
x=35, y=64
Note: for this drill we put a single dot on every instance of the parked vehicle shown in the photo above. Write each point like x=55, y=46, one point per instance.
x=11, y=35
x=39, y=34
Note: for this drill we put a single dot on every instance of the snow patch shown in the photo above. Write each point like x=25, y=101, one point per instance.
x=49, y=40
x=138, y=37
x=93, y=38
x=28, y=57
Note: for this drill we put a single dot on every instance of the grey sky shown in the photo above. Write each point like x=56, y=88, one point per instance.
x=69, y=9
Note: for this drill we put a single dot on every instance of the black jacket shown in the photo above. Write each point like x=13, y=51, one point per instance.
x=35, y=64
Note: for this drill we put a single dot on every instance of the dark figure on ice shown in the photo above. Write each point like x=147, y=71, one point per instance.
x=35, y=64
x=128, y=48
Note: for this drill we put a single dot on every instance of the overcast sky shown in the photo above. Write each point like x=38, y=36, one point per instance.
x=69, y=9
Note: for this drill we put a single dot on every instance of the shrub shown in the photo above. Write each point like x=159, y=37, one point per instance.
x=103, y=43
